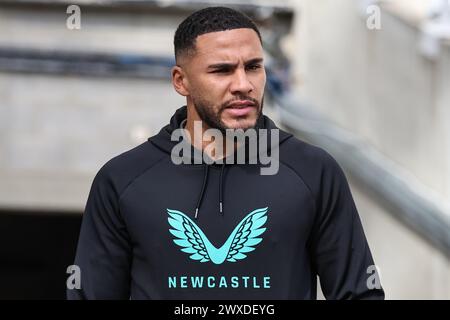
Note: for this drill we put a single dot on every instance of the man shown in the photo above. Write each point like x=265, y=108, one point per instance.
x=210, y=228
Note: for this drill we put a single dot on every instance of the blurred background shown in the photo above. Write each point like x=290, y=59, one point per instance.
x=368, y=81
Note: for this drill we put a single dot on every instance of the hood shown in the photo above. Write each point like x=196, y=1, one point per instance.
x=163, y=141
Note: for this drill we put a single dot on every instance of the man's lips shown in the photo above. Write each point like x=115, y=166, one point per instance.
x=240, y=108
x=241, y=104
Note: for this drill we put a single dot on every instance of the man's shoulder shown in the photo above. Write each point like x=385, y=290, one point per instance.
x=312, y=163
x=298, y=151
x=125, y=167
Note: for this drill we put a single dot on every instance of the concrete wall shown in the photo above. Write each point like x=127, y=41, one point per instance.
x=56, y=131
x=410, y=267
x=101, y=30
x=377, y=84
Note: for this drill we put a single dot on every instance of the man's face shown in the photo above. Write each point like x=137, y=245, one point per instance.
x=226, y=78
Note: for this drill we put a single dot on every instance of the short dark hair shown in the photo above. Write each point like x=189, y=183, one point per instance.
x=211, y=19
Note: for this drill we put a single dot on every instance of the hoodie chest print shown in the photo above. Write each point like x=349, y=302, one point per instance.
x=194, y=242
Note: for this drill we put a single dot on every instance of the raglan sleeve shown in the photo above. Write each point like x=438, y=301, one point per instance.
x=103, y=255
x=339, y=248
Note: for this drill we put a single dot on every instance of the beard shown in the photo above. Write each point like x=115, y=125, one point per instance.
x=213, y=118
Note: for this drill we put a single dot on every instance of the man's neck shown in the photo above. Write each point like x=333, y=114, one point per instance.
x=201, y=139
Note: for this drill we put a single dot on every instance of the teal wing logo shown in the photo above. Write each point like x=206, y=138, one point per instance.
x=241, y=241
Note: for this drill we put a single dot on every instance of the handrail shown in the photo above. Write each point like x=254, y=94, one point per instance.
x=407, y=199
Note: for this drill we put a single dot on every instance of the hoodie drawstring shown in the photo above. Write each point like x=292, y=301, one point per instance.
x=202, y=192
x=221, y=189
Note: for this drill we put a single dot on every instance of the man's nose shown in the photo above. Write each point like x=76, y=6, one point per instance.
x=240, y=82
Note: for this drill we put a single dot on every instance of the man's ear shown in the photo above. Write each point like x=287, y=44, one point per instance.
x=179, y=81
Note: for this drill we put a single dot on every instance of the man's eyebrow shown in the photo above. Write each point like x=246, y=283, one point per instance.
x=233, y=65
x=253, y=61
x=222, y=65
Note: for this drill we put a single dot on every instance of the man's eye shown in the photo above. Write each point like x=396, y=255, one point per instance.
x=254, y=67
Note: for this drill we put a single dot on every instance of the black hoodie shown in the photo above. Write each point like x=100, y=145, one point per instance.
x=153, y=229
